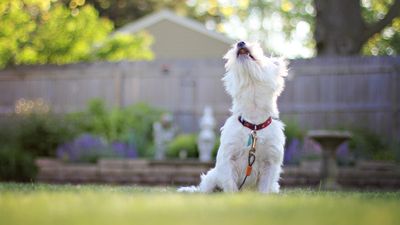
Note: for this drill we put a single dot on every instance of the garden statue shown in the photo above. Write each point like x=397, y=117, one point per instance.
x=206, y=139
x=163, y=133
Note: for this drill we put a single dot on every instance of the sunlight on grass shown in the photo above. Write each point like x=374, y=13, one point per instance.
x=92, y=204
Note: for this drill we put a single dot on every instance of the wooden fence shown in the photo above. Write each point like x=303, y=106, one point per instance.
x=320, y=93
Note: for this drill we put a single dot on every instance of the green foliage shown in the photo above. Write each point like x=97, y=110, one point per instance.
x=123, y=12
x=293, y=131
x=37, y=134
x=123, y=46
x=41, y=134
x=44, y=31
x=16, y=165
x=387, y=42
x=217, y=14
x=292, y=19
x=25, y=137
x=216, y=147
x=187, y=142
x=132, y=124
x=374, y=10
x=368, y=145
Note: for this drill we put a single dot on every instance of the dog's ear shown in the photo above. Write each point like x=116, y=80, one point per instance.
x=282, y=65
x=229, y=58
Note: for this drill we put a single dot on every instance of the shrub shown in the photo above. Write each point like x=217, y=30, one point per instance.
x=131, y=125
x=367, y=145
x=293, y=131
x=8, y=130
x=294, y=142
x=141, y=118
x=16, y=165
x=41, y=134
x=38, y=134
x=24, y=137
x=187, y=142
x=216, y=147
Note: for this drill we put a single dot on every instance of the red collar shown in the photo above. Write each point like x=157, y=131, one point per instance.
x=255, y=126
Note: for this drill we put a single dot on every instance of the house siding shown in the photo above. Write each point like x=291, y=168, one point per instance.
x=173, y=41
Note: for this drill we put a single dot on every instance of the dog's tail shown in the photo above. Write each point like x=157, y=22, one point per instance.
x=190, y=189
x=208, y=183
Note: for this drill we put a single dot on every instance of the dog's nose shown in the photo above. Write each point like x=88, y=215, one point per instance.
x=241, y=44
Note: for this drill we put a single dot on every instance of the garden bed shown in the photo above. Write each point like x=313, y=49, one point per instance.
x=122, y=171
x=367, y=175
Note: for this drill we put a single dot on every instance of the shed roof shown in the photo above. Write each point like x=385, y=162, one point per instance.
x=165, y=14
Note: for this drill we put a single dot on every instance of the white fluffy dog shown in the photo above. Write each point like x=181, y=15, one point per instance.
x=254, y=82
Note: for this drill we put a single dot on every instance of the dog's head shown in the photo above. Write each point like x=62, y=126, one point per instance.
x=246, y=64
x=243, y=53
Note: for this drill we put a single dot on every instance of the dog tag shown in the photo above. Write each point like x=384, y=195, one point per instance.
x=249, y=140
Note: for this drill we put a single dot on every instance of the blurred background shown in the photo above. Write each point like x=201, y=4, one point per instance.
x=130, y=91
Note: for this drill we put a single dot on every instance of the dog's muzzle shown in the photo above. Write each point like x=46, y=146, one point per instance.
x=242, y=50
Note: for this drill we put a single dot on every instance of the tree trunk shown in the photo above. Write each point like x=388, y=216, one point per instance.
x=340, y=28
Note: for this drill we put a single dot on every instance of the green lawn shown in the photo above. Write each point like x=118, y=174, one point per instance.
x=24, y=204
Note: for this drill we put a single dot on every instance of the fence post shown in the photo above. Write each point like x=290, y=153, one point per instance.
x=118, y=79
x=395, y=102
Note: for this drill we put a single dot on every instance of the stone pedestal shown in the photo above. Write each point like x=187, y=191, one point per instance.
x=329, y=141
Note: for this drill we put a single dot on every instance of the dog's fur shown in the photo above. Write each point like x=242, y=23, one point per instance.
x=254, y=82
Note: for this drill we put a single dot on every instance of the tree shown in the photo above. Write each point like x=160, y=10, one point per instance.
x=341, y=29
x=387, y=42
x=122, y=12
x=277, y=25
x=215, y=14
x=44, y=31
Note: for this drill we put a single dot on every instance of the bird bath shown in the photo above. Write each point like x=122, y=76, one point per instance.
x=329, y=141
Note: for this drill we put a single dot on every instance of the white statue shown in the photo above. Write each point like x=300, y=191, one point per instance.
x=163, y=133
x=206, y=139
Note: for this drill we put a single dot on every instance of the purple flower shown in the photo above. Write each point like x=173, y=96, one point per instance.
x=344, y=155
x=124, y=150
x=343, y=151
x=292, y=152
x=89, y=148
x=83, y=147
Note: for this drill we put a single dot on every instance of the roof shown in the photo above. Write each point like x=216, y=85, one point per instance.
x=165, y=14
